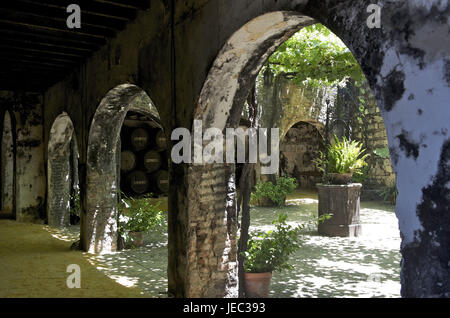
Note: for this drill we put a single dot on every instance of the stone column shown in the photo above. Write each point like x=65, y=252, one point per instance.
x=343, y=202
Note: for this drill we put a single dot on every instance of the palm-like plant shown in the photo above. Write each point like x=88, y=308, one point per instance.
x=344, y=156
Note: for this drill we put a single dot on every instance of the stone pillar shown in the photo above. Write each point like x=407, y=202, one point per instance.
x=343, y=202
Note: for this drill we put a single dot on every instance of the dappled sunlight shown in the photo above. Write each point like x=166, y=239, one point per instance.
x=301, y=201
x=145, y=267
x=67, y=234
x=365, y=266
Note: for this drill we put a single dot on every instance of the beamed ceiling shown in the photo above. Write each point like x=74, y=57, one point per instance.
x=37, y=49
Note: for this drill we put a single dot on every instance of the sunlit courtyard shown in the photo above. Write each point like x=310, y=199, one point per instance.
x=366, y=266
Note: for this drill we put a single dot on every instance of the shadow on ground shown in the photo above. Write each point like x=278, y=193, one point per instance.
x=367, y=266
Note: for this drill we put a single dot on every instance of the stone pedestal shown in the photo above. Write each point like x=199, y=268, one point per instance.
x=343, y=202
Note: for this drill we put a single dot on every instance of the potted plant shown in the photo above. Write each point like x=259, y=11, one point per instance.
x=269, y=194
x=340, y=197
x=268, y=252
x=344, y=159
x=136, y=217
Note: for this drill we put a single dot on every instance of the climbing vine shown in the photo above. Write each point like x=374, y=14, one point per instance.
x=317, y=57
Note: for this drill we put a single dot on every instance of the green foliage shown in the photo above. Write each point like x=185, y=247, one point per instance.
x=270, y=251
x=362, y=176
x=343, y=157
x=389, y=194
x=139, y=215
x=75, y=204
x=382, y=152
x=316, y=56
x=275, y=192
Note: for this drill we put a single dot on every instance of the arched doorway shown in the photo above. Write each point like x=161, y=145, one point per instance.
x=99, y=222
x=8, y=165
x=62, y=169
x=299, y=147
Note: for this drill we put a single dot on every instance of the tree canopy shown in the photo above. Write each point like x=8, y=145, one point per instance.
x=315, y=56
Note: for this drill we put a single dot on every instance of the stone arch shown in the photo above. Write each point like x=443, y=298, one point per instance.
x=8, y=164
x=396, y=74
x=62, y=171
x=98, y=223
x=297, y=152
x=211, y=191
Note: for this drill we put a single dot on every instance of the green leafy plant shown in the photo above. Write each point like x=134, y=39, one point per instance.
x=275, y=192
x=315, y=56
x=382, y=152
x=75, y=204
x=344, y=156
x=362, y=176
x=270, y=251
x=389, y=194
x=138, y=215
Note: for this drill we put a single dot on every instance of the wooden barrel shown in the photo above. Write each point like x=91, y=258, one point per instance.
x=161, y=180
x=139, y=138
x=160, y=140
x=152, y=161
x=127, y=161
x=138, y=181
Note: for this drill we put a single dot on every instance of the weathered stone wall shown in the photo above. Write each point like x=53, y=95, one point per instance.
x=371, y=131
x=7, y=166
x=283, y=103
x=30, y=168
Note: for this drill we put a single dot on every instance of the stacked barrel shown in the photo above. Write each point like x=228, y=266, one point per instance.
x=144, y=158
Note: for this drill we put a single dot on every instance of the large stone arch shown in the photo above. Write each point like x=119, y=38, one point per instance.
x=8, y=164
x=99, y=220
x=61, y=170
x=395, y=59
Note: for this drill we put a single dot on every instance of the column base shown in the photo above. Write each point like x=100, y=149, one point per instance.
x=342, y=230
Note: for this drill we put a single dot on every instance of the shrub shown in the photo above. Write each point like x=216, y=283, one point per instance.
x=270, y=251
x=275, y=192
x=138, y=215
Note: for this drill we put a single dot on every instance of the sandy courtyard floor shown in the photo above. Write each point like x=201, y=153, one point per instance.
x=34, y=264
x=366, y=266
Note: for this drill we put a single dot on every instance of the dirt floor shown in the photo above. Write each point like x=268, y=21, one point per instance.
x=34, y=263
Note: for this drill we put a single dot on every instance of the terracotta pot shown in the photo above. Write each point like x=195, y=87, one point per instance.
x=137, y=239
x=257, y=285
x=340, y=178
